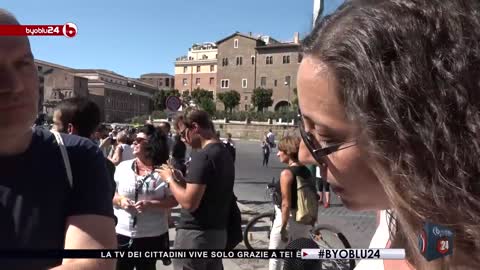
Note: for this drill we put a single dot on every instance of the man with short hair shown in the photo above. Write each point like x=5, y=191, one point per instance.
x=81, y=116
x=205, y=193
x=40, y=208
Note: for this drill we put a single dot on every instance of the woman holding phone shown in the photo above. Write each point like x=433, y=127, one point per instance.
x=143, y=199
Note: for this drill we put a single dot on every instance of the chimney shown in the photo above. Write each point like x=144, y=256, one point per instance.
x=296, y=38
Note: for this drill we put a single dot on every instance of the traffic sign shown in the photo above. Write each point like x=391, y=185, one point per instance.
x=173, y=103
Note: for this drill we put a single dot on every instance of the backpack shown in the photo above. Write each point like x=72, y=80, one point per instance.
x=307, y=201
x=231, y=149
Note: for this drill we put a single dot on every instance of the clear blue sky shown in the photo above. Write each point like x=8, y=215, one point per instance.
x=143, y=36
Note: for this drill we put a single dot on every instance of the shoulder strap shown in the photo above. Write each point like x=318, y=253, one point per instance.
x=66, y=160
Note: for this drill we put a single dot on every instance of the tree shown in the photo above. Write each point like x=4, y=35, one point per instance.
x=207, y=105
x=186, y=98
x=262, y=98
x=230, y=99
x=198, y=94
x=160, y=98
x=295, y=99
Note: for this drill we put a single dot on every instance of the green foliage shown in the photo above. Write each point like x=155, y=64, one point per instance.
x=295, y=99
x=207, y=105
x=199, y=94
x=159, y=115
x=186, y=98
x=230, y=99
x=262, y=98
x=160, y=98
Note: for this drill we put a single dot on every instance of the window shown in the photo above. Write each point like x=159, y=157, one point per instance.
x=269, y=60
x=239, y=60
x=212, y=68
x=204, y=57
x=184, y=69
x=225, y=62
x=286, y=59
x=198, y=68
x=216, y=56
x=225, y=83
x=253, y=60
x=300, y=57
x=197, y=81
x=212, y=80
x=287, y=80
x=160, y=83
x=184, y=82
x=244, y=83
x=275, y=83
x=246, y=107
x=167, y=82
x=39, y=68
x=235, y=43
x=263, y=81
x=246, y=98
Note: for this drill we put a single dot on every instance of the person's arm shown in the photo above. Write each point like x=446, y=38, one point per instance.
x=89, y=211
x=117, y=156
x=286, y=181
x=89, y=232
x=190, y=195
x=166, y=203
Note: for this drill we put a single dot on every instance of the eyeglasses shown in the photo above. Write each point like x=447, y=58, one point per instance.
x=313, y=145
x=139, y=140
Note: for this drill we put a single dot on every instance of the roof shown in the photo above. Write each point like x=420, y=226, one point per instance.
x=45, y=63
x=104, y=71
x=278, y=45
x=236, y=34
x=155, y=74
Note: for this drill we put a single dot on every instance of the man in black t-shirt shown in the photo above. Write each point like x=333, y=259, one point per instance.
x=39, y=207
x=206, y=192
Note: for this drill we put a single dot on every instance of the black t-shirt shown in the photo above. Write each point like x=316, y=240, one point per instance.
x=36, y=197
x=212, y=166
x=301, y=171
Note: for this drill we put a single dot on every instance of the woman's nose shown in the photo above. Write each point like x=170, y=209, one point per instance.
x=304, y=155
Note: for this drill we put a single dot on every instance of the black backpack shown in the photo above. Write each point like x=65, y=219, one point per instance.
x=231, y=149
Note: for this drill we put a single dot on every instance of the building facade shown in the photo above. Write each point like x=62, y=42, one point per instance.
x=246, y=62
x=198, y=69
x=162, y=81
x=58, y=83
x=119, y=98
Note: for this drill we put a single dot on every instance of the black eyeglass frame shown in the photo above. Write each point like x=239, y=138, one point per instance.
x=316, y=150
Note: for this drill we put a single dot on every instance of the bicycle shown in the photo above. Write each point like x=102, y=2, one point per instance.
x=257, y=234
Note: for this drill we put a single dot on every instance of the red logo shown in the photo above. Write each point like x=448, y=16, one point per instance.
x=70, y=30
x=442, y=245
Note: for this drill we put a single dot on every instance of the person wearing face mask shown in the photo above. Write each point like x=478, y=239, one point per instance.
x=390, y=105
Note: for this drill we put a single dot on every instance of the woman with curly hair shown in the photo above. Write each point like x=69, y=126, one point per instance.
x=389, y=92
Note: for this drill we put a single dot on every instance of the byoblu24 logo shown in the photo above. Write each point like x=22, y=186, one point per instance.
x=70, y=30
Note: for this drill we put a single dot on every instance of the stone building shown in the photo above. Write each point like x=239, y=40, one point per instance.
x=162, y=81
x=198, y=69
x=119, y=98
x=58, y=83
x=246, y=62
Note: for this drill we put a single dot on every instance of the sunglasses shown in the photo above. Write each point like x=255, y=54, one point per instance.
x=139, y=140
x=314, y=147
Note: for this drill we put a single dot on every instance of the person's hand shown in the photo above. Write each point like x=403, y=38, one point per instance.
x=165, y=172
x=127, y=205
x=284, y=234
x=143, y=205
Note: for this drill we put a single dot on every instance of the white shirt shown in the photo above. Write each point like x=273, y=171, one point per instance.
x=271, y=137
x=152, y=222
x=379, y=240
x=127, y=152
x=318, y=172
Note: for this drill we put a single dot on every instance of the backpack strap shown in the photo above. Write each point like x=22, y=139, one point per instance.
x=66, y=160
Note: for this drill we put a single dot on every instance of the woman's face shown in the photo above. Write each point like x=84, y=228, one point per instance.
x=347, y=170
x=283, y=157
x=139, y=143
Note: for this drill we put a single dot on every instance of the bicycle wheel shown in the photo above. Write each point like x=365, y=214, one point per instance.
x=257, y=231
x=327, y=237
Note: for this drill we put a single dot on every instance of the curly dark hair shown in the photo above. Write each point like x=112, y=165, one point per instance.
x=156, y=148
x=408, y=72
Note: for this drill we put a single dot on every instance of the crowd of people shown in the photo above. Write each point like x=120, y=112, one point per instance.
x=390, y=114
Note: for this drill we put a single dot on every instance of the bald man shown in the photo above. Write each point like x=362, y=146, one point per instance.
x=39, y=207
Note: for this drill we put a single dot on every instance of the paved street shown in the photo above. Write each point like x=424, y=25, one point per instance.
x=250, y=187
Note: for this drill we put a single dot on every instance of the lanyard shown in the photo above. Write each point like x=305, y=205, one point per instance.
x=138, y=186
